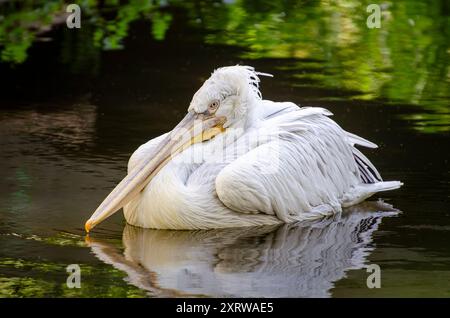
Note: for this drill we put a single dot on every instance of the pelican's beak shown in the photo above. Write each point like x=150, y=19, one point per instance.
x=194, y=128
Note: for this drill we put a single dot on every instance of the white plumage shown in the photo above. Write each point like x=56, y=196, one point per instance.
x=275, y=162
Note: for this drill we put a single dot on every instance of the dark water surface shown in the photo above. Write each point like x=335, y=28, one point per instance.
x=76, y=103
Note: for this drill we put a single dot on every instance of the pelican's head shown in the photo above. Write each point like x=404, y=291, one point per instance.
x=221, y=103
x=228, y=93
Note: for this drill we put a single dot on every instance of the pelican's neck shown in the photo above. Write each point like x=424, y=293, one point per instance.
x=244, y=115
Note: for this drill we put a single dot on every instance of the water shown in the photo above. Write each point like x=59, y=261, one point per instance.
x=76, y=103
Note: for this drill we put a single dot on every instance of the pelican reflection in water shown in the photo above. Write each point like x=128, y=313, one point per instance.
x=302, y=259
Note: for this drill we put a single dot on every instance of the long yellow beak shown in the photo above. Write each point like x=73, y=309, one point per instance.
x=189, y=131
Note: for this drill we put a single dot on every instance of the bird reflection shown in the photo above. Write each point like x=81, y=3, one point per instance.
x=289, y=260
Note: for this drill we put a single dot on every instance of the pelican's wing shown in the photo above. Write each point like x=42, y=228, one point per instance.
x=304, y=165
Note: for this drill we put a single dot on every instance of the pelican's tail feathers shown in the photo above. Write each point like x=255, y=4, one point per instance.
x=386, y=186
x=357, y=140
x=366, y=190
x=367, y=171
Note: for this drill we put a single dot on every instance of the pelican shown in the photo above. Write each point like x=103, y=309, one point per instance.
x=238, y=160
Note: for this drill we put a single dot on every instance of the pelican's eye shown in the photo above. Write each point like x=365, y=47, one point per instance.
x=213, y=106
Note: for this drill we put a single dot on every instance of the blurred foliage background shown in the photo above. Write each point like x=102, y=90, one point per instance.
x=405, y=61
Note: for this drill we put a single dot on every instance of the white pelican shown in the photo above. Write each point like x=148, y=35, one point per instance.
x=238, y=160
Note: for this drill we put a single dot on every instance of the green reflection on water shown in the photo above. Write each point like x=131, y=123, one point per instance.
x=60, y=239
x=43, y=278
x=406, y=61
x=96, y=281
